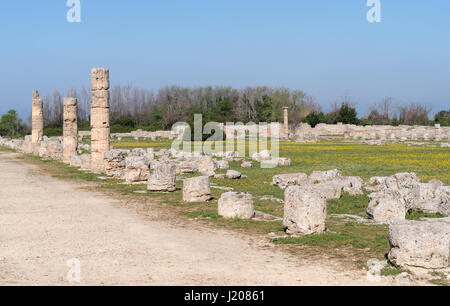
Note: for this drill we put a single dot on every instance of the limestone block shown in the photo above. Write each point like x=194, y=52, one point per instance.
x=305, y=211
x=99, y=79
x=285, y=180
x=247, y=165
x=233, y=174
x=420, y=244
x=137, y=169
x=325, y=176
x=70, y=129
x=100, y=99
x=207, y=166
x=115, y=163
x=236, y=205
x=330, y=190
x=384, y=208
x=163, y=178
x=223, y=164
x=99, y=118
x=197, y=189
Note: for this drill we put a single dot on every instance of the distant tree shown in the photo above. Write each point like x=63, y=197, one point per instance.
x=264, y=109
x=365, y=122
x=347, y=114
x=414, y=114
x=443, y=118
x=382, y=112
x=315, y=118
x=10, y=124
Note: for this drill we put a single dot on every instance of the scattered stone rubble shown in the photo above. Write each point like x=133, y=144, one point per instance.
x=331, y=183
x=397, y=194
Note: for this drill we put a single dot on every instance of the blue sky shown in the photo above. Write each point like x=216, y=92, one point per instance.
x=324, y=47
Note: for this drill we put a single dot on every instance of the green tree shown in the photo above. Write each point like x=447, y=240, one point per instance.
x=443, y=118
x=264, y=109
x=315, y=118
x=347, y=114
x=10, y=124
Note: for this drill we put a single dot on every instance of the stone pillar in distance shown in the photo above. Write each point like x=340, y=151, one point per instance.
x=286, y=122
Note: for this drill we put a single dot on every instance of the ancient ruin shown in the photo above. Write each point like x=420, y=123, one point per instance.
x=37, y=119
x=100, y=129
x=420, y=244
x=163, y=178
x=70, y=129
x=236, y=205
x=305, y=211
x=197, y=189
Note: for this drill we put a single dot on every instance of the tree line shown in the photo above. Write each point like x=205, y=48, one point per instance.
x=133, y=108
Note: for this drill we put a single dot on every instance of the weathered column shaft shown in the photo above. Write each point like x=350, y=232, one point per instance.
x=100, y=128
x=37, y=118
x=70, y=129
x=286, y=122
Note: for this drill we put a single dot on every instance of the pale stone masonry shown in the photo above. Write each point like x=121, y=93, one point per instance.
x=100, y=127
x=37, y=119
x=70, y=129
x=286, y=122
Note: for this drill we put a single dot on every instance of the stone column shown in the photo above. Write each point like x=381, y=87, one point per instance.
x=286, y=121
x=70, y=129
x=438, y=135
x=37, y=119
x=100, y=132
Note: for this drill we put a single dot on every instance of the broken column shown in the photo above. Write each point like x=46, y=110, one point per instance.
x=70, y=129
x=197, y=189
x=37, y=119
x=100, y=132
x=236, y=205
x=305, y=211
x=420, y=244
x=286, y=122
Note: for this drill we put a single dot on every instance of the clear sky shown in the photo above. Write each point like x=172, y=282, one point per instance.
x=324, y=47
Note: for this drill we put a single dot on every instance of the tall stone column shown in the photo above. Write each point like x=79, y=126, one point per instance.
x=70, y=129
x=286, y=121
x=100, y=132
x=37, y=119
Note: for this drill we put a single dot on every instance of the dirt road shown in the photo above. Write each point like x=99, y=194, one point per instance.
x=45, y=222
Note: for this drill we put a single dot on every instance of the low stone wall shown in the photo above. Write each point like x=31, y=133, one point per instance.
x=274, y=129
x=384, y=132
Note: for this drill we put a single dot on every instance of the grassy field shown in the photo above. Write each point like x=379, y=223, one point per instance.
x=352, y=242
x=353, y=159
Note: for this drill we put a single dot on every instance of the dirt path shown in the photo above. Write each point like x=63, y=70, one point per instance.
x=44, y=222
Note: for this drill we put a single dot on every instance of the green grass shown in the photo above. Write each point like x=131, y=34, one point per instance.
x=392, y=271
x=440, y=279
x=419, y=215
x=371, y=239
x=211, y=214
x=347, y=204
